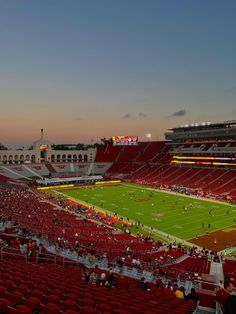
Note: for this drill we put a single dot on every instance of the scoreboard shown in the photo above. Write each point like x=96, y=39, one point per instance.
x=125, y=140
x=43, y=147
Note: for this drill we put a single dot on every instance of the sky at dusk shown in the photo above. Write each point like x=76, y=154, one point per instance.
x=88, y=69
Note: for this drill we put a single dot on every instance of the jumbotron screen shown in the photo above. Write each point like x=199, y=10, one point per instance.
x=125, y=140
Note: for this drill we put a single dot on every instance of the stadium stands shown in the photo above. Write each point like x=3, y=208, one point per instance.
x=28, y=216
x=64, y=229
x=148, y=163
x=62, y=289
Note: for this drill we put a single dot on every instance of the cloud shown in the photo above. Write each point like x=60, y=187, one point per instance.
x=142, y=115
x=232, y=89
x=78, y=118
x=179, y=113
x=127, y=116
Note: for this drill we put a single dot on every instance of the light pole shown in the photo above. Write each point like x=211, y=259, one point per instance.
x=148, y=136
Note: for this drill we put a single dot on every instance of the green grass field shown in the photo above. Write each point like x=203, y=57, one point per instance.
x=159, y=210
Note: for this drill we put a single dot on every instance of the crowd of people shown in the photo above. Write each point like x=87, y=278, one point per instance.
x=36, y=214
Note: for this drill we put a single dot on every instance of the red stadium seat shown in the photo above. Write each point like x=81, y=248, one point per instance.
x=50, y=308
x=3, y=304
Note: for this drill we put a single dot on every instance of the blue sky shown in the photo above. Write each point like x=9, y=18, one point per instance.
x=89, y=69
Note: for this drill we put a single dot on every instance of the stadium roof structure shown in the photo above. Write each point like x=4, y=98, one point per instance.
x=203, y=131
x=206, y=125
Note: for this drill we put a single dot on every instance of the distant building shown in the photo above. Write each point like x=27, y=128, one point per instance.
x=43, y=151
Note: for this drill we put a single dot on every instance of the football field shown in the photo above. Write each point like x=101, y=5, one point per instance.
x=176, y=215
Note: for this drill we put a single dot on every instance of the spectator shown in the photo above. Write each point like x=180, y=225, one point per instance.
x=180, y=293
x=169, y=286
x=221, y=284
x=41, y=253
x=159, y=283
x=24, y=248
x=193, y=296
x=102, y=279
x=143, y=284
x=223, y=294
x=93, y=277
x=230, y=305
x=111, y=280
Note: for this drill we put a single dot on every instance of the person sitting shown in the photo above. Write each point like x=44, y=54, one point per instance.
x=143, y=284
x=101, y=280
x=111, y=280
x=169, y=286
x=193, y=296
x=230, y=305
x=223, y=295
x=93, y=277
x=179, y=293
x=159, y=283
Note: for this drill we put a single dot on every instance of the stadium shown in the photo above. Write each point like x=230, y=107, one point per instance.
x=97, y=229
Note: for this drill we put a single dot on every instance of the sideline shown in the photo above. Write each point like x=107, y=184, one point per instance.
x=135, y=185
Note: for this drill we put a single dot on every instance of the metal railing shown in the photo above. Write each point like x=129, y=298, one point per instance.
x=12, y=253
